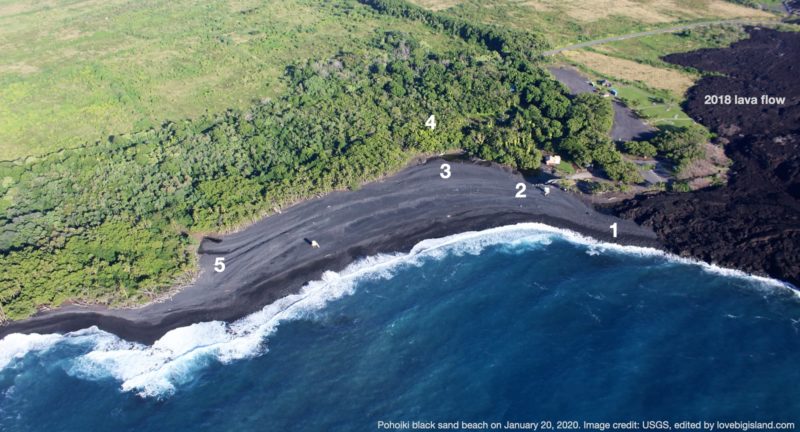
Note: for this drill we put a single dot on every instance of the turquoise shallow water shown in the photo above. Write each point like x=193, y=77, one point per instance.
x=518, y=324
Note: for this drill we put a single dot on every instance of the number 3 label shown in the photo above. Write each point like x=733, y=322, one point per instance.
x=445, y=174
x=219, y=264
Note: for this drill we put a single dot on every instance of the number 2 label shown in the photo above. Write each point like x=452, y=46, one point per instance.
x=521, y=190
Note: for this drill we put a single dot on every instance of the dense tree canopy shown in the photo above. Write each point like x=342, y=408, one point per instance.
x=110, y=222
x=681, y=145
x=508, y=43
x=640, y=148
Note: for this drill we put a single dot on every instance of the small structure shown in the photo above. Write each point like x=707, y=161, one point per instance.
x=552, y=160
x=546, y=190
x=314, y=244
x=614, y=92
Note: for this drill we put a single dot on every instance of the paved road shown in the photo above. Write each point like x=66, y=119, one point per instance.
x=627, y=125
x=651, y=32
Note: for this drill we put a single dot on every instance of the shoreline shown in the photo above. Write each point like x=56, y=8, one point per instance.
x=272, y=258
x=751, y=222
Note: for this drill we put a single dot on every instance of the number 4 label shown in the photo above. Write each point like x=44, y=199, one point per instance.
x=219, y=264
x=431, y=122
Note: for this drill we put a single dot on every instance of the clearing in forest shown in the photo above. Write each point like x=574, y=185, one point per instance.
x=564, y=22
x=668, y=79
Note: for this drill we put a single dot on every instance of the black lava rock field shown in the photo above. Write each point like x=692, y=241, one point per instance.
x=752, y=223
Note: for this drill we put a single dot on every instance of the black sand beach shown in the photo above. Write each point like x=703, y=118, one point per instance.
x=272, y=258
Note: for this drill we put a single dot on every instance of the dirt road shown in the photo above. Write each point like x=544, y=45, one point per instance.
x=652, y=32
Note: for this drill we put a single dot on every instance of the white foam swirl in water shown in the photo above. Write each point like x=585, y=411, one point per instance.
x=156, y=370
x=16, y=345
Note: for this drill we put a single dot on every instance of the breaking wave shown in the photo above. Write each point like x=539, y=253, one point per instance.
x=157, y=370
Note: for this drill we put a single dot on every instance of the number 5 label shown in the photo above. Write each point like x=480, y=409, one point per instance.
x=219, y=264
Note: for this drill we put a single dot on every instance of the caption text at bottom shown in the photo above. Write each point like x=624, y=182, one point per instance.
x=657, y=425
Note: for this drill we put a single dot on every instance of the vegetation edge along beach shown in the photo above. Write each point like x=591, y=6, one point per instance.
x=272, y=258
x=117, y=223
x=111, y=224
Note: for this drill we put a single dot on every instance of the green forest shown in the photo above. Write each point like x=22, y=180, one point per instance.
x=114, y=223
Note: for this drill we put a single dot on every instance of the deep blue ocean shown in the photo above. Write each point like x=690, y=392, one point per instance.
x=522, y=324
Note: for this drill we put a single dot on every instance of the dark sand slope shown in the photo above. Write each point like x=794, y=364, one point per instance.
x=753, y=223
x=271, y=258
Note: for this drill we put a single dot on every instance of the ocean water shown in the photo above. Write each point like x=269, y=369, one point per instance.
x=525, y=323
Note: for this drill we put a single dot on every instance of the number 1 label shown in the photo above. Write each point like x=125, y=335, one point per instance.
x=613, y=230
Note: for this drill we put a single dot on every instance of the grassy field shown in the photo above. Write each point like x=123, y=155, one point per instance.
x=650, y=49
x=657, y=106
x=75, y=71
x=676, y=82
x=288, y=99
x=648, y=84
x=651, y=86
x=113, y=223
x=569, y=21
x=654, y=107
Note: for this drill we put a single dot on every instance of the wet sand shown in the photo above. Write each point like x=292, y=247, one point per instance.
x=272, y=258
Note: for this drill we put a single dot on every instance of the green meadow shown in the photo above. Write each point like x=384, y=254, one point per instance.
x=76, y=71
x=564, y=22
x=130, y=129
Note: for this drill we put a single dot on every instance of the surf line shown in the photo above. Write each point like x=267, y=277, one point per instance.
x=161, y=367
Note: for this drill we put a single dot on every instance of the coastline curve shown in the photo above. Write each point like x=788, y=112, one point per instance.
x=271, y=259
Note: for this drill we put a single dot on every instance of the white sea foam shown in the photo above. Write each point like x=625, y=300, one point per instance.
x=16, y=345
x=155, y=371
